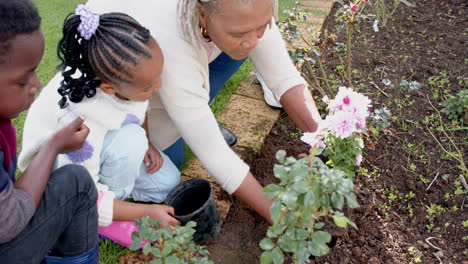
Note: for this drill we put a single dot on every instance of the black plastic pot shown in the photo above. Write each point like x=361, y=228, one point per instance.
x=193, y=201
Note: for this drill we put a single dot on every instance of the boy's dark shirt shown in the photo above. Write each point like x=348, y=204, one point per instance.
x=16, y=206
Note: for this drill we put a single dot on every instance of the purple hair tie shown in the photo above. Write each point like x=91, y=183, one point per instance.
x=89, y=21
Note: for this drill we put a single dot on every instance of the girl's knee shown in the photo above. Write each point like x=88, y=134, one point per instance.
x=129, y=139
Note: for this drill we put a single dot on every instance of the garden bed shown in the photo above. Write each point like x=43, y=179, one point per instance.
x=412, y=198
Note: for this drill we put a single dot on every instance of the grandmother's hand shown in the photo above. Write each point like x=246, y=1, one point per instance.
x=153, y=159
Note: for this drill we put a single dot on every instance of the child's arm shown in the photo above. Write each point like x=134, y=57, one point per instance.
x=153, y=159
x=35, y=177
x=125, y=211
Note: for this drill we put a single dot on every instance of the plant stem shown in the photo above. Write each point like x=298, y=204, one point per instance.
x=349, y=34
x=325, y=78
x=314, y=78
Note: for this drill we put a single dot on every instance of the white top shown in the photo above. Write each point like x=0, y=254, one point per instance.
x=102, y=112
x=180, y=107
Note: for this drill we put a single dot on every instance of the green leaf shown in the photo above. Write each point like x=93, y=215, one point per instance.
x=318, y=249
x=135, y=244
x=156, y=261
x=267, y=244
x=289, y=198
x=191, y=224
x=301, y=234
x=351, y=223
x=325, y=201
x=275, y=230
x=408, y=3
x=287, y=244
x=147, y=248
x=280, y=156
x=310, y=199
x=266, y=258
x=277, y=256
x=156, y=252
x=298, y=173
x=271, y=191
x=321, y=237
x=319, y=225
x=290, y=160
x=337, y=200
x=275, y=211
x=351, y=200
x=280, y=172
x=166, y=250
x=300, y=187
x=171, y=260
x=303, y=254
x=341, y=221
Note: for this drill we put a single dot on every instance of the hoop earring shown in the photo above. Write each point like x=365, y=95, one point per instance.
x=205, y=34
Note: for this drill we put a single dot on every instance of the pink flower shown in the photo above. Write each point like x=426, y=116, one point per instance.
x=351, y=101
x=313, y=139
x=342, y=124
x=354, y=8
x=358, y=159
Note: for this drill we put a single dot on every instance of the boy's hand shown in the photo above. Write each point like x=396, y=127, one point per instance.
x=72, y=136
x=163, y=213
x=153, y=159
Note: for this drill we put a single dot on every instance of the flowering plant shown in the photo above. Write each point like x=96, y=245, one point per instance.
x=340, y=134
x=309, y=191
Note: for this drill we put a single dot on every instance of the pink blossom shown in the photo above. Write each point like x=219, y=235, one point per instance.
x=342, y=124
x=350, y=101
x=354, y=8
x=313, y=139
x=358, y=159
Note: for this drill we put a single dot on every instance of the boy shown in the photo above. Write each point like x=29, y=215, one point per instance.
x=43, y=212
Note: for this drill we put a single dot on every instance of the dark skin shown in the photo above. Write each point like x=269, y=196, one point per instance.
x=18, y=86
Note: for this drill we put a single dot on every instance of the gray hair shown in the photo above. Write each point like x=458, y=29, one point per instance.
x=189, y=18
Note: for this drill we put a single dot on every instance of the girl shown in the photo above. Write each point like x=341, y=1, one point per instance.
x=110, y=67
x=204, y=42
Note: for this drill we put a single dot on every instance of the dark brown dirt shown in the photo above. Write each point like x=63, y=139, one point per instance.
x=424, y=43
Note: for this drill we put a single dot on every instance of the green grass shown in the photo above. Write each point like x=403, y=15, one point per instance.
x=53, y=13
x=284, y=4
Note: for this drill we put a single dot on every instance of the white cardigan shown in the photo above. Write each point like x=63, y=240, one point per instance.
x=102, y=112
x=180, y=107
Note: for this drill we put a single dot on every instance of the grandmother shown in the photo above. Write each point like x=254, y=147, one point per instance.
x=204, y=42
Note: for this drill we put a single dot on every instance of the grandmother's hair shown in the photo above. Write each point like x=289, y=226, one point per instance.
x=189, y=17
x=16, y=17
x=118, y=40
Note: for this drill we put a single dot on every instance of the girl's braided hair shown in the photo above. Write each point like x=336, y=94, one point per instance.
x=118, y=40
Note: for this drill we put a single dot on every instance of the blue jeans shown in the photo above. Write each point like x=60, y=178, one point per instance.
x=123, y=171
x=65, y=222
x=220, y=70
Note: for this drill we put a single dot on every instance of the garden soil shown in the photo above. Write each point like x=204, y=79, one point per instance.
x=422, y=43
x=426, y=44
